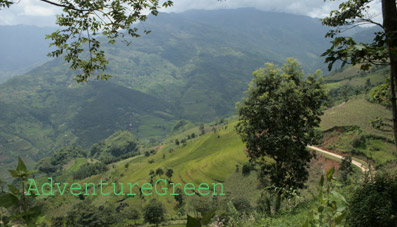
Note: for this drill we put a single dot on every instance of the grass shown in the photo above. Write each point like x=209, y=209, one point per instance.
x=357, y=111
x=210, y=158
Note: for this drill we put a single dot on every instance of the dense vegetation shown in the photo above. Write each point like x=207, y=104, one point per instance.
x=175, y=73
x=163, y=117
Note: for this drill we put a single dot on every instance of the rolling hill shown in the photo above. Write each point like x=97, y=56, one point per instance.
x=193, y=66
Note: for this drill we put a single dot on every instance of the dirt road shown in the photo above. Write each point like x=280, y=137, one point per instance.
x=354, y=162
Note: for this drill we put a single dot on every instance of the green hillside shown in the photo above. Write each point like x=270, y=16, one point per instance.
x=215, y=157
x=354, y=125
x=193, y=66
x=210, y=158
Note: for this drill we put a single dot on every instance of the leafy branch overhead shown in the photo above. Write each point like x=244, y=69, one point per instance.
x=83, y=21
x=352, y=14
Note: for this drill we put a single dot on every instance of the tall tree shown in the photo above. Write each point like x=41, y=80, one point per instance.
x=382, y=50
x=83, y=21
x=278, y=120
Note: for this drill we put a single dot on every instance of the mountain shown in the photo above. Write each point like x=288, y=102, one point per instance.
x=193, y=66
x=22, y=48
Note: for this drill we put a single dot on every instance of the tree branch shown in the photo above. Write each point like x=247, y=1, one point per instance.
x=65, y=6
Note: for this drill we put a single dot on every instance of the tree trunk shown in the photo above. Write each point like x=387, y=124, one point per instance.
x=389, y=12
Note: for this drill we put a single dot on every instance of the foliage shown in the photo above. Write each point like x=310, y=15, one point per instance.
x=22, y=208
x=278, y=118
x=179, y=196
x=157, y=81
x=201, y=205
x=54, y=163
x=382, y=50
x=346, y=49
x=121, y=144
x=346, y=168
x=374, y=203
x=153, y=212
x=242, y=204
x=159, y=171
x=85, y=214
x=82, y=22
x=381, y=94
x=247, y=167
x=203, y=221
x=359, y=142
x=169, y=173
x=132, y=214
x=332, y=208
x=89, y=169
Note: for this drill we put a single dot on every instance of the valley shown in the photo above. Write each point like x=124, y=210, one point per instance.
x=171, y=116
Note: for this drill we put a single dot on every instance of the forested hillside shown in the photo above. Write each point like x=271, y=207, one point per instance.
x=214, y=118
x=194, y=66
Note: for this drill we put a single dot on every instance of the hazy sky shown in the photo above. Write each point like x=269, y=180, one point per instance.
x=35, y=12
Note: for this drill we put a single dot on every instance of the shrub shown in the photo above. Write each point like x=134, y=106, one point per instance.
x=154, y=212
x=374, y=203
x=359, y=142
x=246, y=169
x=242, y=204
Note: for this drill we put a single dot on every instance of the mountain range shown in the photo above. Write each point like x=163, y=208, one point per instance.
x=193, y=66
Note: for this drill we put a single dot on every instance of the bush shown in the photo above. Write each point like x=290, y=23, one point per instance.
x=374, y=203
x=202, y=205
x=154, y=212
x=85, y=214
x=359, y=142
x=246, y=169
x=242, y=204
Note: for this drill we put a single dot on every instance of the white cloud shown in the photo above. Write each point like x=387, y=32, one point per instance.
x=38, y=8
x=303, y=7
x=29, y=12
x=35, y=12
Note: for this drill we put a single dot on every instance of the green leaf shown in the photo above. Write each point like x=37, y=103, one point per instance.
x=339, y=196
x=306, y=223
x=330, y=173
x=14, y=190
x=8, y=200
x=322, y=180
x=14, y=173
x=192, y=222
x=21, y=165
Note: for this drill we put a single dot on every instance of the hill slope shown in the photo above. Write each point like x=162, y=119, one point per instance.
x=193, y=66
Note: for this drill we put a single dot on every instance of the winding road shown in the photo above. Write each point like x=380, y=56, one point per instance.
x=360, y=165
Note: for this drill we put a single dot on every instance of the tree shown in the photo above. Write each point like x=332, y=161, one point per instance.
x=277, y=120
x=133, y=214
x=169, y=173
x=86, y=214
x=382, y=50
x=346, y=167
x=82, y=22
x=246, y=169
x=153, y=213
x=179, y=197
x=159, y=171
